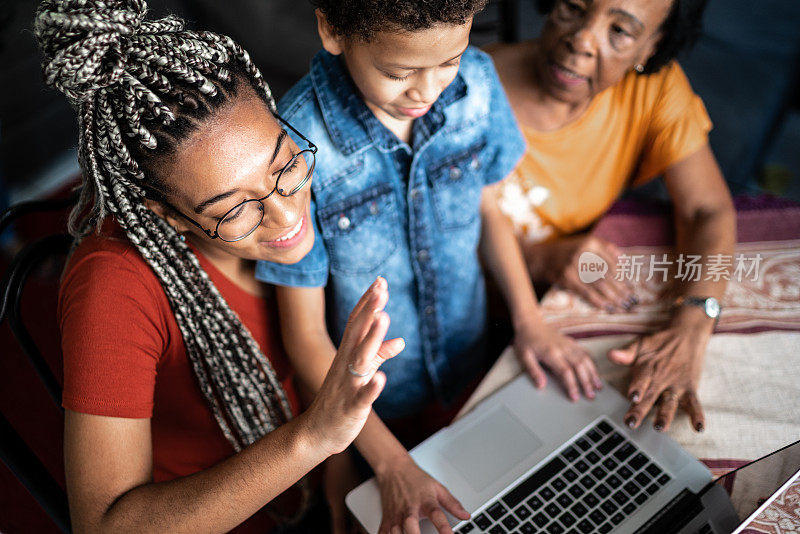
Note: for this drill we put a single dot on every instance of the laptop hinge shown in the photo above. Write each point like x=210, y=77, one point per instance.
x=674, y=516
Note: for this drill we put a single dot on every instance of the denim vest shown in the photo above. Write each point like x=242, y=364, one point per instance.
x=411, y=215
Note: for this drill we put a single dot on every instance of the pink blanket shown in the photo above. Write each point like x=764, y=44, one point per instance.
x=763, y=292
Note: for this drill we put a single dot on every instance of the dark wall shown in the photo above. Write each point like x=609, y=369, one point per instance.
x=745, y=67
x=36, y=123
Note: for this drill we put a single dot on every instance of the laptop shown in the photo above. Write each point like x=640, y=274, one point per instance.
x=527, y=460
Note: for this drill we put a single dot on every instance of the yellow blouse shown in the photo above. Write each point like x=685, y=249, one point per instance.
x=630, y=133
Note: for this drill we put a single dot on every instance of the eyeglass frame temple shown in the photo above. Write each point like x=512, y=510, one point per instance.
x=158, y=197
x=311, y=145
x=311, y=148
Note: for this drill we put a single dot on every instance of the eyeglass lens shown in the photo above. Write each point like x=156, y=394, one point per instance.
x=245, y=218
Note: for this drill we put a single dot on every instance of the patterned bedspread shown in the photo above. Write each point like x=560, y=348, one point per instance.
x=782, y=516
x=763, y=292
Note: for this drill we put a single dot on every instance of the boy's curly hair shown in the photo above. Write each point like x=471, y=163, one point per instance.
x=364, y=18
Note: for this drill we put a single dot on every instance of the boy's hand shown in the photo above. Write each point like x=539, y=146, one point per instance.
x=536, y=343
x=409, y=494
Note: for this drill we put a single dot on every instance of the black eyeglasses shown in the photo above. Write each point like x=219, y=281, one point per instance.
x=242, y=220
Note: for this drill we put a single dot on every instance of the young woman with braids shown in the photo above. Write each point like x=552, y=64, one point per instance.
x=180, y=409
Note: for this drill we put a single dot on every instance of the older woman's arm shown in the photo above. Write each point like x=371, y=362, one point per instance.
x=667, y=365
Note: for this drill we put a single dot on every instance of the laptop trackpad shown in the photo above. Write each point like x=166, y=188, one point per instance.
x=489, y=448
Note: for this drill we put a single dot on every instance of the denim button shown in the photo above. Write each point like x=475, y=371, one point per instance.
x=474, y=164
x=344, y=222
x=415, y=195
x=429, y=310
x=455, y=173
x=423, y=255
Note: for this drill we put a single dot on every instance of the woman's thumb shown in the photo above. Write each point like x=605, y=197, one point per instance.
x=624, y=356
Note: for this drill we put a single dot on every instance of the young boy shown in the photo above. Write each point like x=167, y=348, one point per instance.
x=411, y=126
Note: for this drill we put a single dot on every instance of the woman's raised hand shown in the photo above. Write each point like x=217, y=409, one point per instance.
x=353, y=382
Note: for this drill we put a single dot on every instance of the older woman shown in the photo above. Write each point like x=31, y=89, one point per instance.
x=603, y=106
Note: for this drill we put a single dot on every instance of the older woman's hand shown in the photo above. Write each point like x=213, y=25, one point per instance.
x=665, y=374
x=560, y=262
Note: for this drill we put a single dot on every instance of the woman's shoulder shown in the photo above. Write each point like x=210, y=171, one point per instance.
x=667, y=86
x=107, y=262
x=115, y=325
x=107, y=246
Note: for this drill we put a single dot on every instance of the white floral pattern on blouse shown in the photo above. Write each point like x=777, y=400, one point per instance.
x=520, y=207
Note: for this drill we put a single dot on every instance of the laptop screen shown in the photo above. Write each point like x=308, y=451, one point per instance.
x=750, y=485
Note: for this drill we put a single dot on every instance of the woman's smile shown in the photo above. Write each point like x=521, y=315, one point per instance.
x=566, y=77
x=290, y=238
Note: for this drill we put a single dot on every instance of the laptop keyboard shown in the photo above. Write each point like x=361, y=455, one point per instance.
x=592, y=484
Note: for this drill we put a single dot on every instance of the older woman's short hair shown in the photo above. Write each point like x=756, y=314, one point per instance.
x=680, y=30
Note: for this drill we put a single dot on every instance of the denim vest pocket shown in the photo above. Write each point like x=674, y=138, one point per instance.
x=456, y=186
x=361, y=232
x=355, y=165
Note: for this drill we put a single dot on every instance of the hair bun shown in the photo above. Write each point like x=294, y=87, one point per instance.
x=81, y=41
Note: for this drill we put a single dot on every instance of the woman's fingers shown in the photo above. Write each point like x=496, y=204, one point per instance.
x=641, y=379
x=607, y=293
x=370, y=392
x=391, y=348
x=622, y=290
x=598, y=293
x=448, y=502
x=665, y=413
x=378, y=284
x=366, y=358
x=627, y=354
x=566, y=374
x=571, y=282
x=625, y=298
x=367, y=349
x=692, y=406
x=363, y=314
x=595, y=375
x=612, y=298
x=639, y=411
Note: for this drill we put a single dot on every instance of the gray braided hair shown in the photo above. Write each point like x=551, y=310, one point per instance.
x=139, y=88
